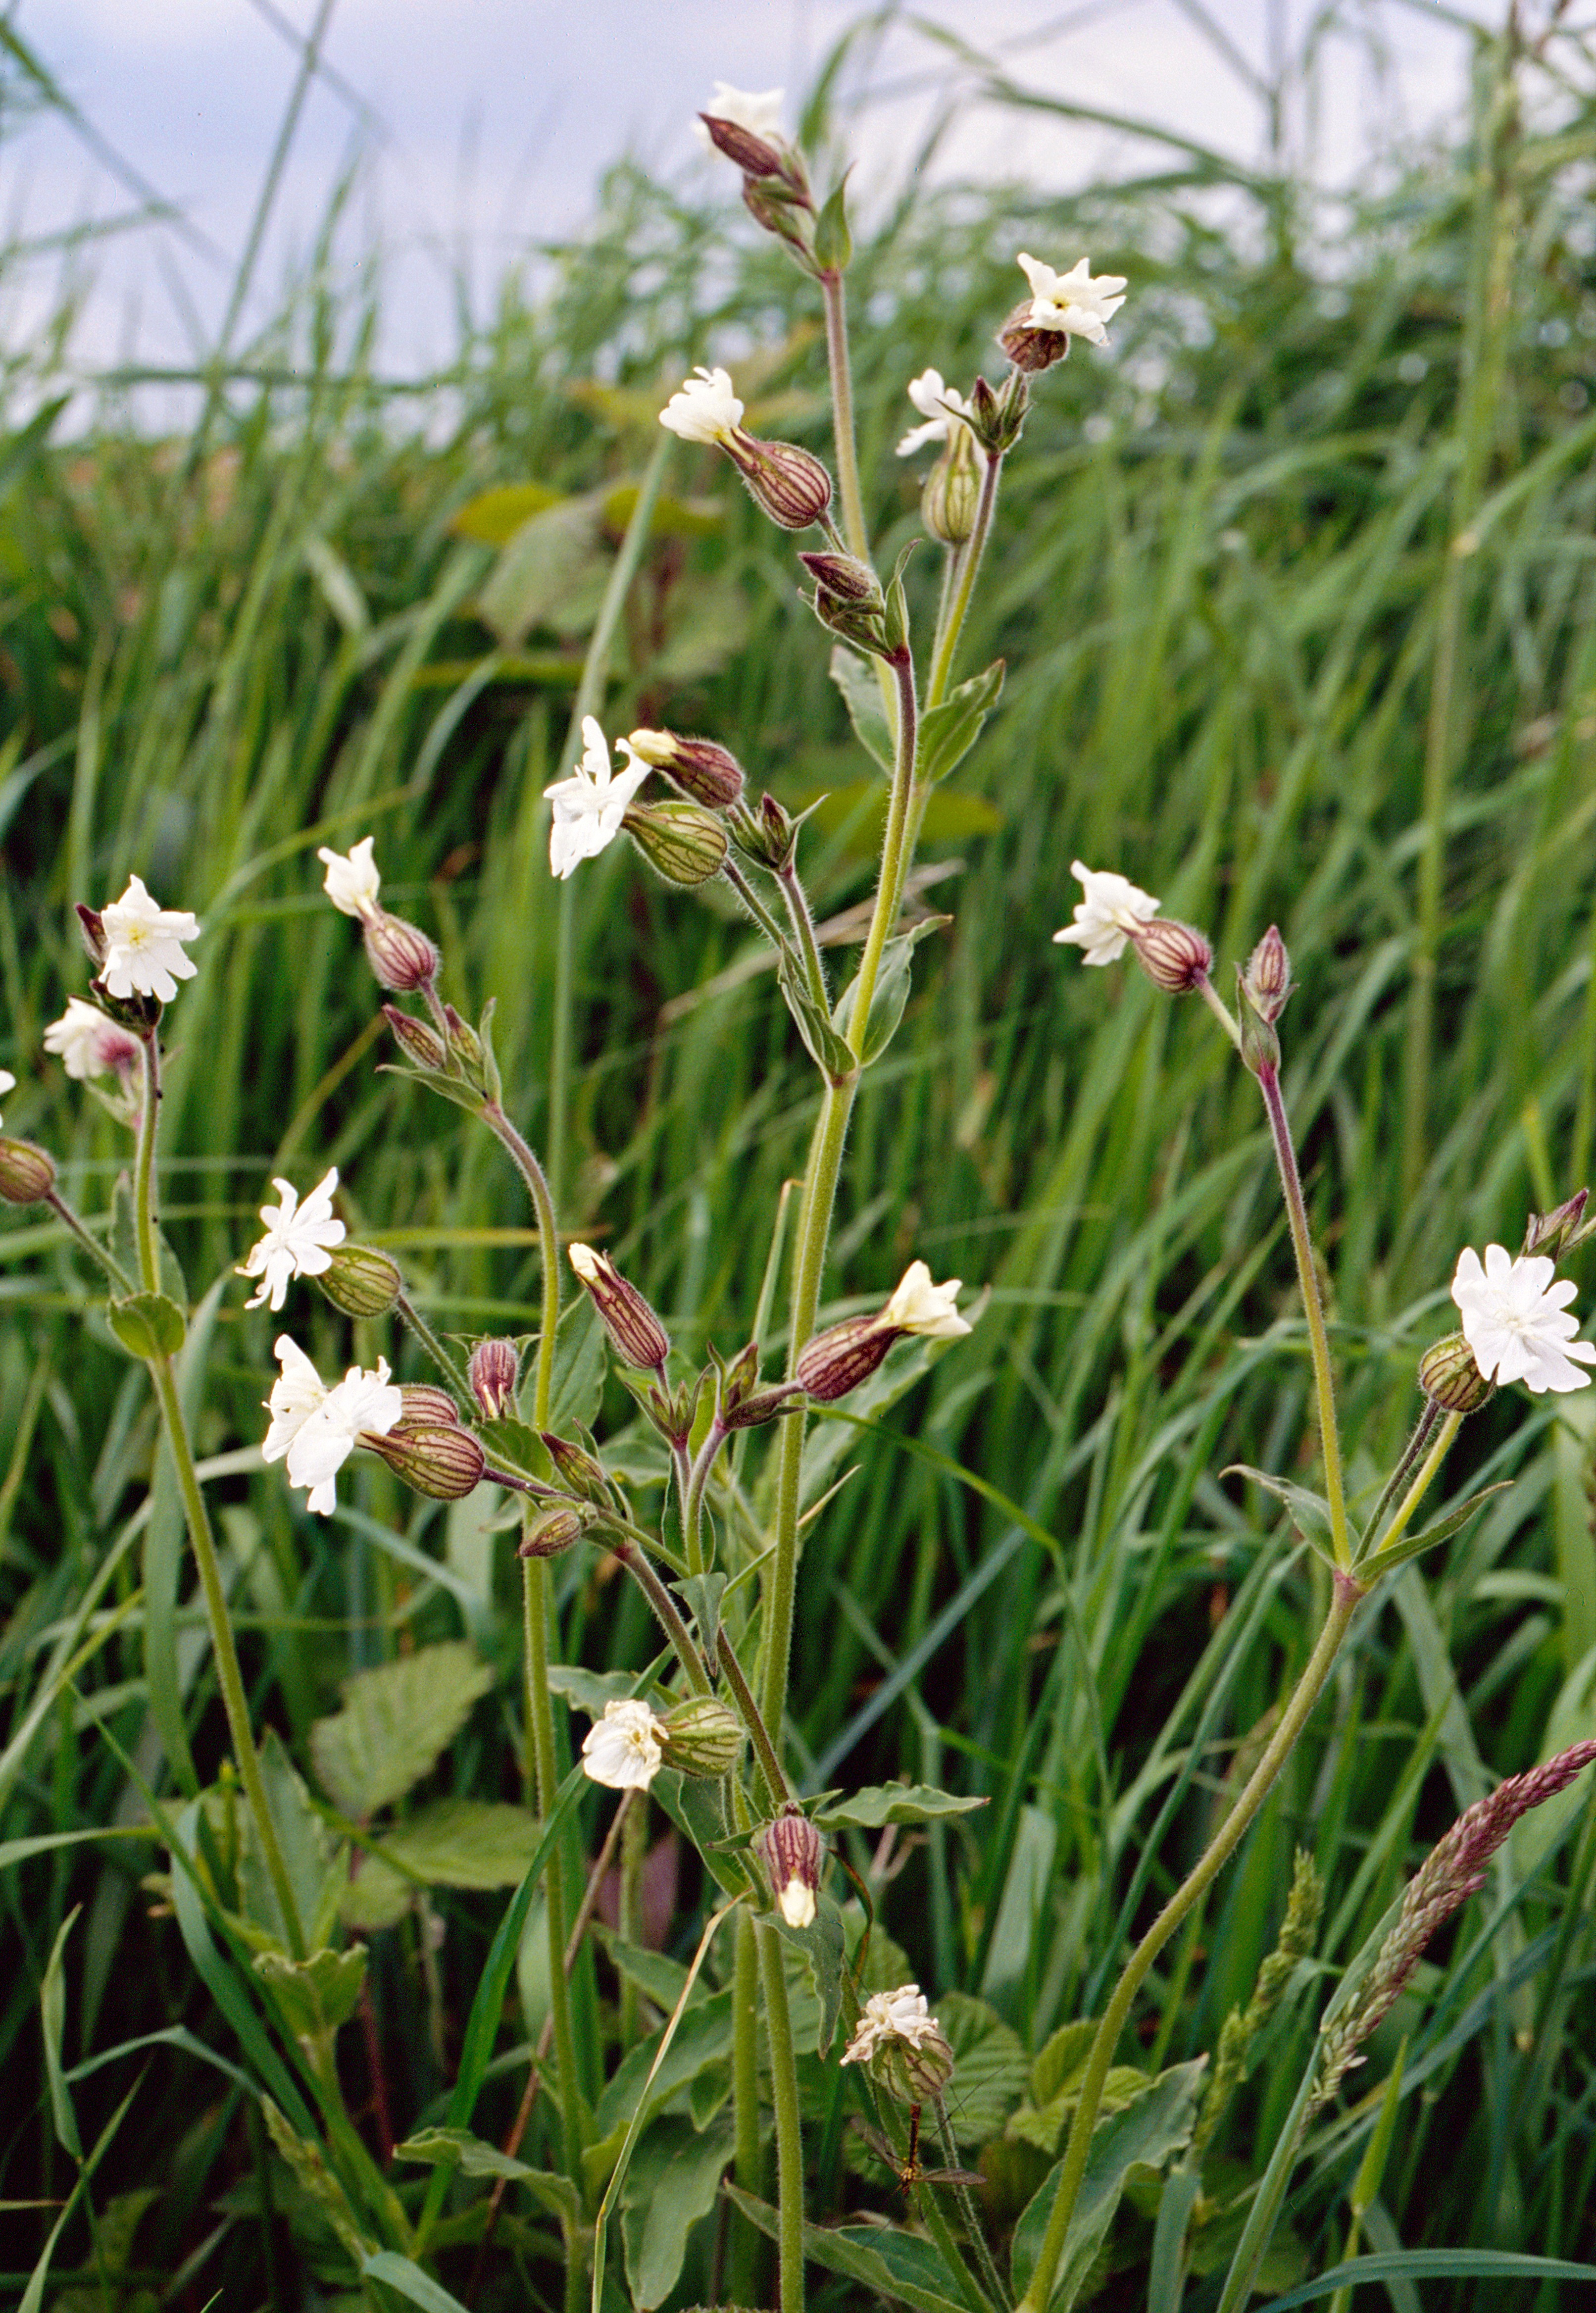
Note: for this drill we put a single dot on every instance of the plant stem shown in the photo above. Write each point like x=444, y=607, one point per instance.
x=1286, y=1157
x=751, y=900
x=951, y=624
x=967, y=2210
x=789, y=2131
x=1421, y=1484
x=745, y=2104
x=102, y=1253
x=666, y=1612
x=1346, y=1596
x=532, y=1173
x=1424, y=1431
x=842, y=415
x=144, y=1176
x=538, y=1616
x=692, y=1506
x=770, y=1767
x=1219, y=1008
x=803, y=928
x=408, y=1314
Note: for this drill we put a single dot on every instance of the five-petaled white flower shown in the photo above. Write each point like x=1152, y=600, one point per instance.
x=919, y=1306
x=622, y=1749
x=317, y=1428
x=589, y=804
x=1112, y=911
x=8, y=1083
x=298, y=1241
x=760, y=115
x=940, y=405
x=87, y=1043
x=1515, y=1319
x=352, y=882
x=1073, y=301
x=144, y=946
x=704, y=408
x=901, y=2015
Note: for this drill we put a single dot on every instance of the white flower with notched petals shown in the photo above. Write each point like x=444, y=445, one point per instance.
x=298, y=1241
x=1515, y=1321
x=901, y=2015
x=622, y=1749
x=589, y=804
x=8, y=1083
x=704, y=408
x=941, y=408
x=362, y=1405
x=296, y=1393
x=144, y=946
x=87, y=1043
x=1073, y=301
x=351, y=882
x=1111, y=913
x=760, y=115
x=919, y=1306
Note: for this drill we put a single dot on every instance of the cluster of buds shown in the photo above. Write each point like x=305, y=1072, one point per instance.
x=454, y=1057
x=768, y=836
x=836, y=1361
x=792, y=1851
x=746, y=128
x=429, y=1448
x=786, y=482
x=850, y=600
x=743, y=1404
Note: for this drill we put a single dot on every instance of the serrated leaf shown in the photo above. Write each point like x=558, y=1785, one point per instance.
x=1062, y=2061
x=879, y=1804
x=948, y=732
x=460, y=1843
x=396, y=1723
x=1149, y=2131
x=891, y=993
x=834, y=243
x=316, y=1994
x=1044, y=2124
x=990, y=2068
x=1370, y=1570
x=855, y=678
x=146, y=1325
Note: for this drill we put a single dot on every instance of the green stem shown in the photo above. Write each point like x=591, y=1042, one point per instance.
x=102, y=1253
x=538, y=1616
x=967, y=2210
x=951, y=625
x=667, y=1613
x=1219, y=1008
x=453, y=1372
x=633, y=1853
x=1344, y=1599
x=532, y=1173
x=692, y=1501
x=743, y=2280
x=144, y=1177
x=1421, y=1484
x=842, y=415
x=751, y=900
x=776, y=1787
x=896, y=848
x=1318, y=1345
x=789, y=2129
x=1424, y=1431
x=803, y=931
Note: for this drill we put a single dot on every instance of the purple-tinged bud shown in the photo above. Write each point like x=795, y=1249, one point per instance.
x=1268, y=976
x=417, y=1042
x=844, y=574
x=789, y=485
x=680, y=842
x=1450, y=1376
x=27, y=1173
x=1261, y=1046
x=576, y=1468
x=769, y=835
x=439, y=1459
x=425, y=1402
x=493, y=1373
x=402, y=957
x=1555, y=1233
x=552, y=1531
x=750, y=154
x=709, y=773
x=1175, y=956
x=743, y=1404
x=792, y=1851
x=1032, y=349
x=997, y=419
x=701, y=1737
x=952, y=497
x=361, y=1281
x=91, y=924
x=635, y=1333
x=838, y=1359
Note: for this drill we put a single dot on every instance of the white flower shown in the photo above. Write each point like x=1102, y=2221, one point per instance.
x=296, y=1393
x=1515, y=1319
x=8, y=1083
x=144, y=946
x=87, y=1043
x=1073, y=301
x=588, y=806
x=919, y=1306
x=298, y=1240
x=352, y=882
x=362, y=1404
x=937, y=403
x=797, y=1900
x=705, y=409
x=760, y=115
x=1110, y=914
x=901, y=2015
x=622, y=1749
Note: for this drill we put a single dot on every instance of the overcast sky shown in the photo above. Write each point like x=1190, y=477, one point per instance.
x=485, y=122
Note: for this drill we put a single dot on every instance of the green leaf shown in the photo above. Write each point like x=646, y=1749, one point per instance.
x=316, y=1994
x=855, y=678
x=673, y=2181
x=990, y=2071
x=657, y=1977
x=460, y=1843
x=948, y=732
x=1370, y=1570
x=1310, y=1513
x=703, y=2036
x=879, y=1804
x=463, y=1095
x=52, y=2009
x=124, y=1242
x=822, y=1944
x=1062, y=2061
x=492, y=517
x=542, y=570
x=147, y=1324
x=897, y=2267
x=891, y=993
x=704, y=1592
x=834, y=243
x=315, y=1871
x=826, y=1048
x=695, y=1806
x=399, y=2272
x=578, y=1380
x=396, y=1723
x=457, y=2148
x=1149, y=2131
x=1434, y=2264
x=307, y=2165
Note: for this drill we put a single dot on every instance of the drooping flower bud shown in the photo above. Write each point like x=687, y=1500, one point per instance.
x=402, y=957
x=1175, y=956
x=493, y=1372
x=419, y=1043
x=1450, y=1376
x=361, y=1281
x=1557, y=1232
x=576, y=1468
x=635, y=1333
x=708, y=772
x=1032, y=349
x=91, y=925
x=1268, y=976
x=701, y=1737
x=552, y=1531
x=27, y=1173
x=439, y=1459
x=786, y=482
x=425, y=1402
x=751, y=154
x=792, y=1851
x=838, y=1359
x=952, y=492
x=681, y=841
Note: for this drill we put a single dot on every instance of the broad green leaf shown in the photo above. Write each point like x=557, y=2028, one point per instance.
x=147, y=1324
x=396, y=1723
x=1062, y=2061
x=703, y=1594
x=990, y=2071
x=891, y=993
x=703, y=2036
x=855, y=678
x=948, y=732
x=695, y=1806
x=452, y=2148
x=1044, y=2124
x=880, y=1804
x=492, y=517
x=1310, y=1513
x=316, y=1994
x=834, y=243
x=825, y=1046
x=1370, y=1570
x=542, y=571
x=713, y=627
x=315, y=1873
x=671, y=517
x=673, y=2182
x=899, y=2268
x=460, y=1843
x=1148, y=2131
x=657, y=1977
x=578, y=1381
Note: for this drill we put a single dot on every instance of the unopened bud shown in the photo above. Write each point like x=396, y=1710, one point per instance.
x=402, y=957
x=416, y=1041
x=760, y=1406
x=844, y=574
x=680, y=842
x=792, y=1851
x=1032, y=349
x=91, y=924
x=361, y=1281
x=838, y=1359
x=1450, y=1376
x=952, y=497
x=1268, y=976
x=792, y=487
x=425, y=1402
x=576, y=1468
x=493, y=1373
x=1261, y=1046
x=27, y=1175
x=711, y=774
x=439, y=1459
x=1175, y=956
x=1555, y=1231
x=701, y=1737
x=751, y=154
x=552, y=1531
x=464, y=1042
x=634, y=1332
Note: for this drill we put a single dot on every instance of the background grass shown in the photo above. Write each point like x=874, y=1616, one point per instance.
x=1295, y=588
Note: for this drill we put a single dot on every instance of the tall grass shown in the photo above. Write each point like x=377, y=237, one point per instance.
x=1305, y=630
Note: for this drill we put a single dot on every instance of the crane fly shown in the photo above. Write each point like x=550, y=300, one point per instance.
x=908, y=2168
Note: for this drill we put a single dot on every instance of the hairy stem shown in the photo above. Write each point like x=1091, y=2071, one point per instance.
x=1420, y=1486
x=144, y=1175
x=537, y=1615
x=666, y=1612
x=92, y=1245
x=451, y=1371
x=1318, y=1345
x=789, y=2129
x=745, y=2104
x=532, y=1173
x=842, y=415
x=803, y=921
x=1424, y=1431
x=962, y=576
x=775, y=1783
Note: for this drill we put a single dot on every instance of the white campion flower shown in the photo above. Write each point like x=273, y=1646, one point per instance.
x=589, y=804
x=1516, y=1323
x=919, y=1306
x=8, y=1083
x=352, y=882
x=1073, y=301
x=937, y=404
x=362, y=1405
x=1111, y=912
x=704, y=408
x=901, y=2015
x=298, y=1241
x=622, y=1749
x=759, y=114
x=144, y=946
x=297, y=1392
x=87, y=1043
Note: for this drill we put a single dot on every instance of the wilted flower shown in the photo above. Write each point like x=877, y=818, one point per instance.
x=941, y=408
x=903, y=2043
x=492, y=1373
x=144, y=946
x=1112, y=911
x=704, y=408
x=1073, y=301
x=622, y=1749
x=87, y=1043
x=1515, y=1321
x=298, y=1241
x=317, y=1428
x=919, y=1306
x=838, y=1359
x=759, y=114
x=710, y=773
x=589, y=804
x=352, y=882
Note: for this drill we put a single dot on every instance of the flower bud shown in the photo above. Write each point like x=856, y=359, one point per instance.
x=680, y=842
x=1268, y=976
x=751, y=154
x=634, y=1332
x=1555, y=1233
x=91, y=924
x=915, y=2071
x=846, y=577
x=417, y=1042
x=792, y=487
x=769, y=835
x=425, y=1402
x=711, y=774
x=792, y=1851
x=576, y=1467
x=439, y=1459
x=402, y=957
x=492, y=1373
x=1261, y=1046
x=1030, y=350
x=777, y=207
x=361, y=1281
x=701, y=1737
x=1449, y=1375
x=952, y=492
x=465, y=1044
x=27, y=1175
x=743, y=1404
x=1175, y=956
x=838, y=1359
x=552, y=1531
